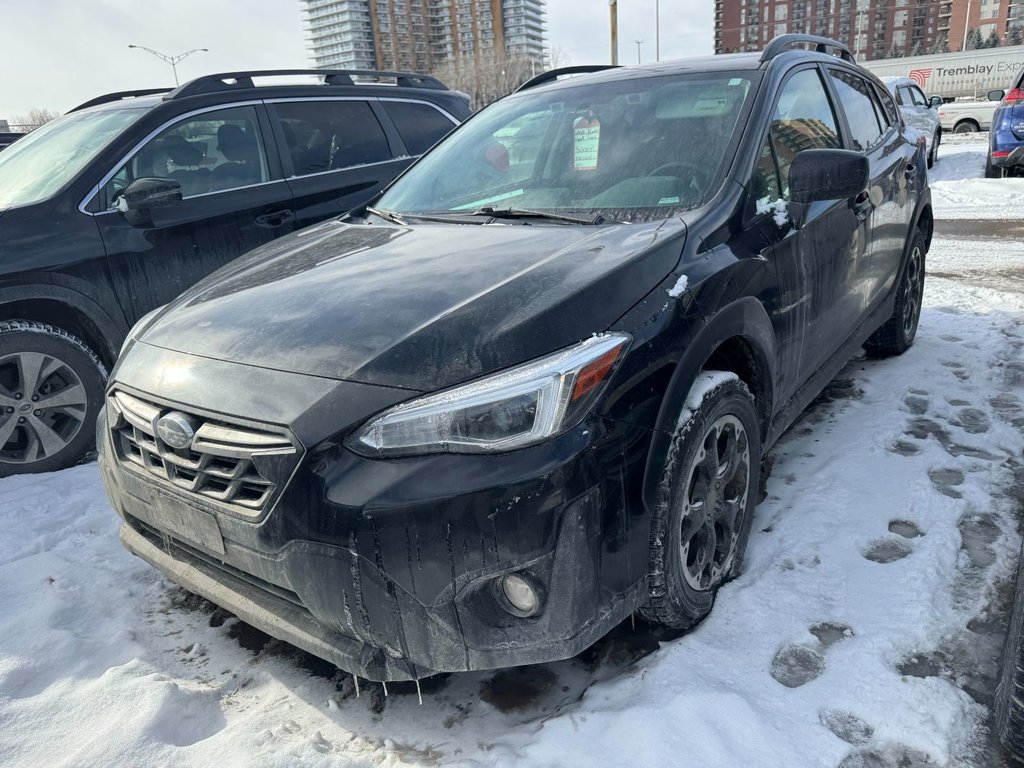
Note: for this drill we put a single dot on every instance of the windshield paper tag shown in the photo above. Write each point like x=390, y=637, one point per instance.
x=586, y=142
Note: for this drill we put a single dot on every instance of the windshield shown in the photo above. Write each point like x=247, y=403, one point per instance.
x=38, y=165
x=630, y=150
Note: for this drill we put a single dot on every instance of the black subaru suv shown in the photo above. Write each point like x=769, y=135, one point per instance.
x=526, y=391
x=128, y=200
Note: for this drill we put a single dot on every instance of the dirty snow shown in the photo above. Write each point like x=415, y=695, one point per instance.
x=960, y=189
x=860, y=632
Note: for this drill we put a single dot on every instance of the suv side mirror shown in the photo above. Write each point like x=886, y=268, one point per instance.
x=935, y=102
x=827, y=174
x=996, y=95
x=148, y=192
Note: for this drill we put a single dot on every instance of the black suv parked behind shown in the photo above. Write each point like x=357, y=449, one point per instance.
x=528, y=392
x=119, y=206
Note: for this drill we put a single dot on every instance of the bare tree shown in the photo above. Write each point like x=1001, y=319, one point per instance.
x=488, y=75
x=35, y=118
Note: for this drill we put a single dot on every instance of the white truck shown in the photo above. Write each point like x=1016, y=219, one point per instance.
x=966, y=87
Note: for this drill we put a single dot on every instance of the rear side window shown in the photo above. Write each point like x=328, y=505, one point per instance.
x=325, y=136
x=803, y=119
x=918, y=97
x=862, y=110
x=420, y=125
x=892, y=116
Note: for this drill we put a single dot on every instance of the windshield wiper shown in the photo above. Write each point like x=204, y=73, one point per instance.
x=394, y=218
x=523, y=213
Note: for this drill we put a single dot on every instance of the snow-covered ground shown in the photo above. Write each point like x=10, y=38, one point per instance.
x=862, y=631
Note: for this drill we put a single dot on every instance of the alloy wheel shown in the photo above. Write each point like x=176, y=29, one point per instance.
x=43, y=406
x=715, y=502
x=913, y=285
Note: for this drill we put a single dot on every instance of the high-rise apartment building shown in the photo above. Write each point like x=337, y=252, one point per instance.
x=873, y=29
x=420, y=35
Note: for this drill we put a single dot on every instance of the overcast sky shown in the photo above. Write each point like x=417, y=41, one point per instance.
x=59, y=53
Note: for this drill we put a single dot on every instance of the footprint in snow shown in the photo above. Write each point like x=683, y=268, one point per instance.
x=945, y=481
x=916, y=404
x=972, y=421
x=895, y=756
x=796, y=665
x=977, y=532
x=905, y=528
x=847, y=726
x=886, y=550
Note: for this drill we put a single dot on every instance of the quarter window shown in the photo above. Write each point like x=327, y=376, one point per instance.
x=211, y=152
x=331, y=135
x=862, y=110
x=420, y=125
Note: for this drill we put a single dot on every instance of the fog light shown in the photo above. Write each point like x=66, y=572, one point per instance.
x=520, y=594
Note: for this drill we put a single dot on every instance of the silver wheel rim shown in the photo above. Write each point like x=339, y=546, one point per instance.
x=715, y=501
x=913, y=283
x=43, y=405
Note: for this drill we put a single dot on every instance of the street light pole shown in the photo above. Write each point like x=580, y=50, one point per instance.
x=657, y=30
x=638, y=42
x=172, y=60
x=613, y=13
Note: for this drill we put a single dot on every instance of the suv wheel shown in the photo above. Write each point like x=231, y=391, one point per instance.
x=51, y=389
x=991, y=172
x=896, y=335
x=705, y=507
x=933, y=151
x=966, y=126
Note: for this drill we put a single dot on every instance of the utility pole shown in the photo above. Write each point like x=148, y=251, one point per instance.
x=638, y=42
x=172, y=60
x=657, y=30
x=613, y=10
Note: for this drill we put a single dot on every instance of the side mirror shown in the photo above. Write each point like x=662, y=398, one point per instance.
x=827, y=174
x=996, y=95
x=147, y=192
x=935, y=102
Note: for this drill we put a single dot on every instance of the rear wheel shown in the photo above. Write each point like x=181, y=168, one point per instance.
x=966, y=126
x=706, y=504
x=51, y=390
x=991, y=171
x=896, y=335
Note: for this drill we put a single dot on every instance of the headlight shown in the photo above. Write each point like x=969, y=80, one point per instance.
x=502, y=412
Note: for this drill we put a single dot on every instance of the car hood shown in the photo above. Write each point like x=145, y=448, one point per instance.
x=419, y=307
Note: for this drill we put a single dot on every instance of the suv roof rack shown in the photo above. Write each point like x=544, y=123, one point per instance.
x=222, y=80
x=118, y=96
x=821, y=45
x=554, y=74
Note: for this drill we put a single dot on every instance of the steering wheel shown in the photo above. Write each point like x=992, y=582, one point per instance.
x=694, y=176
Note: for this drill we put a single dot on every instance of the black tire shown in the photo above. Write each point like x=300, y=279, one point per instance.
x=966, y=126
x=51, y=390
x=677, y=596
x=1009, y=704
x=933, y=150
x=897, y=334
x=991, y=172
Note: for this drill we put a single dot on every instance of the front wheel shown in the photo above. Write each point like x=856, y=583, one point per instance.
x=51, y=390
x=933, y=150
x=706, y=502
x=897, y=334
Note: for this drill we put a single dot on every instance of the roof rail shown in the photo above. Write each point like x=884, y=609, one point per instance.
x=222, y=80
x=109, y=97
x=554, y=74
x=821, y=45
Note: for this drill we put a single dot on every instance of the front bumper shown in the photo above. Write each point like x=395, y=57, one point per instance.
x=389, y=569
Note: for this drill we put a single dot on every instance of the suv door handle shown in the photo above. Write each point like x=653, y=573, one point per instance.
x=910, y=171
x=275, y=219
x=862, y=205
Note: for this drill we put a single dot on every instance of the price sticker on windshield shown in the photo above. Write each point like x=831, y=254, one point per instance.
x=586, y=143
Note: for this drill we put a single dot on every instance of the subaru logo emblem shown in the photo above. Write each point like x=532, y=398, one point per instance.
x=175, y=429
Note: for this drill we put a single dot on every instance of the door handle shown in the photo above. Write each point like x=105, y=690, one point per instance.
x=275, y=219
x=862, y=205
x=910, y=171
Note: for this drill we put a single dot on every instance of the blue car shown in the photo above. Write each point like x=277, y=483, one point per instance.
x=1006, y=138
